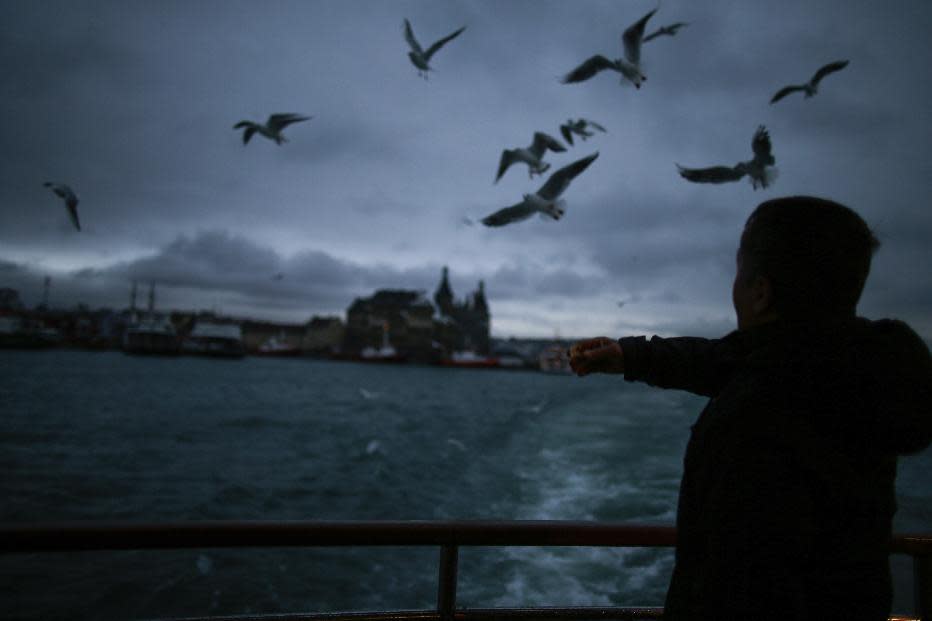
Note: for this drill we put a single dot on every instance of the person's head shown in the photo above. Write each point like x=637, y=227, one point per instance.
x=801, y=257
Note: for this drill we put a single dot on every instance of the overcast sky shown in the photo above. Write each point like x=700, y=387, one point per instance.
x=133, y=104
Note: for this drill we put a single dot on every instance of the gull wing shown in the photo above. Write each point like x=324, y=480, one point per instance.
x=507, y=215
x=762, y=147
x=65, y=192
x=542, y=142
x=713, y=174
x=72, y=205
x=838, y=65
x=589, y=68
x=783, y=92
x=278, y=122
x=250, y=129
x=440, y=43
x=506, y=160
x=631, y=39
x=567, y=133
x=665, y=30
x=595, y=125
x=560, y=180
x=409, y=37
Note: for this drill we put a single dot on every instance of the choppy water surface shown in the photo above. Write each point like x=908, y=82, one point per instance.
x=103, y=436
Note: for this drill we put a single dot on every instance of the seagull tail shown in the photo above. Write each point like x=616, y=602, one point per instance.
x=556, y=211
x=770, y=175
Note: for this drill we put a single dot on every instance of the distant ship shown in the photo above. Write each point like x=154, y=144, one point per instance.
x=470, y=360
x=18, y=333
x=220, y=340
x=151, y=336
x=384, y=353
x=278, y=346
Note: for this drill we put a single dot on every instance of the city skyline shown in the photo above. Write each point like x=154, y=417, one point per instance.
x=133, y=105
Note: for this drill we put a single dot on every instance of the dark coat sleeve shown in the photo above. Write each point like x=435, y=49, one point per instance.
x=901, y=377
x=701, y=366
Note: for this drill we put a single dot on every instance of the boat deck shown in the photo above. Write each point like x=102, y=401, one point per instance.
x=448, y=536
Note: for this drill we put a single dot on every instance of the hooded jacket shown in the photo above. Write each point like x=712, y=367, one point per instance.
x=787, y=497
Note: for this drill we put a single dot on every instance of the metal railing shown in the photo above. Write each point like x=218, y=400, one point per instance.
x=448, y=536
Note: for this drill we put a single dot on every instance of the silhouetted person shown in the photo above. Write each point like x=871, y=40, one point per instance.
x=787, y=498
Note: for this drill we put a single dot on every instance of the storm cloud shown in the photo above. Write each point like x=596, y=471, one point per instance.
x=133, y=103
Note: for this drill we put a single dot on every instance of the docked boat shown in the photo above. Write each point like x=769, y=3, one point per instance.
x=278, y=346
x=470, y=360
x=20, y=333
x=220, y=340
x=384, y=353
x=152, y=335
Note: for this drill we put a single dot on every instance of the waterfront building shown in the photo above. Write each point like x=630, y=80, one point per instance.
x=405, y=316
x=259, y=334
x=465, y=325
x=323, y=336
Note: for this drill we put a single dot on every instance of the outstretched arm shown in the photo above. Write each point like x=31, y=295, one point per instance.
x=698, y=365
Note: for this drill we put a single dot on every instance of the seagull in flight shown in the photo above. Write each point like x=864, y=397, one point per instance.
x=71, y=200
x=629, y=67
x=759, y=169
x=578, y=127
x=811, y=87
x=272, y=128
x=545, y=200
x=532, y=155
x=420, y=58
x=670, y=30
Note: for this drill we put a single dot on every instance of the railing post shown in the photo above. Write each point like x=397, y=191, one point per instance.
x=923, y=586
x=446, y=589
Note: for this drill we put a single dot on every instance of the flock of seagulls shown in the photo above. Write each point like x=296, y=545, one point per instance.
x=546, y=200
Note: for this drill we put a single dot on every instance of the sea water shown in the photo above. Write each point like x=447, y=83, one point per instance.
x=105, y=436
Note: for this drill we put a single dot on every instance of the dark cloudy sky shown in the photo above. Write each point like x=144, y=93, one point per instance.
x=132, y=103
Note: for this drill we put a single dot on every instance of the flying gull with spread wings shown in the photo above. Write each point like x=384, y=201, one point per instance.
x=578, y=127
x=533, y=155
x=759, y=168
x=71, y=200
x=629, y=67
x=670, y=30
x=420, y=58
x=811, y=87
x=272, y=129
x=546, y=200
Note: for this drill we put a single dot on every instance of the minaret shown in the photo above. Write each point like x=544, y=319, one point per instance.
x=443, y=297
x=479, y=302
x=46, y=285
x=151, y=297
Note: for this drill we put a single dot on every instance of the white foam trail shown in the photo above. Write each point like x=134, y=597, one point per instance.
x=368, y=394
